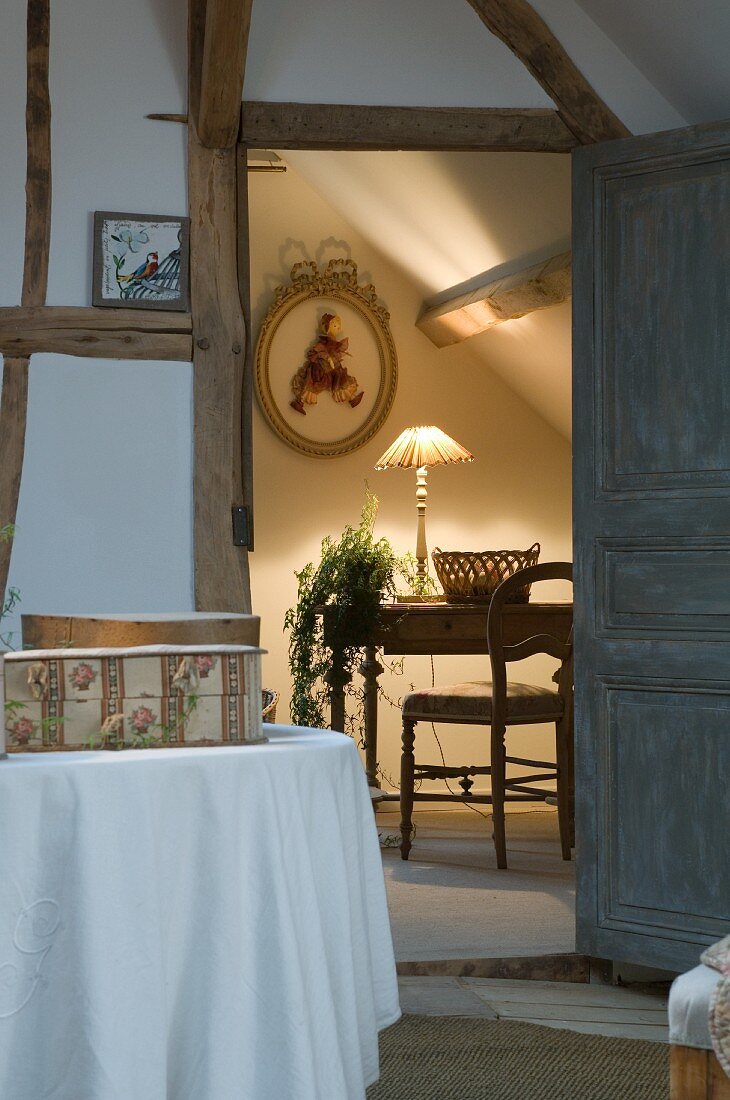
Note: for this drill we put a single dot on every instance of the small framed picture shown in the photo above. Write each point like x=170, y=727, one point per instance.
x=140, y=261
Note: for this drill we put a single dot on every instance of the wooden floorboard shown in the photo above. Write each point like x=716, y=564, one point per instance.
x=565, y=993
x=589, y=1009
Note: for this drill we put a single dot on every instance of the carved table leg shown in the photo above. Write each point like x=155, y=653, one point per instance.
x=336, y=679
x=370, y=669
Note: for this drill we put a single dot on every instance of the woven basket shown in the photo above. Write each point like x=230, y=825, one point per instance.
x=269, y=699
x=468, y=577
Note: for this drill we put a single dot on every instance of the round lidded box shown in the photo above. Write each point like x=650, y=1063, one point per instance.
x=472, y=576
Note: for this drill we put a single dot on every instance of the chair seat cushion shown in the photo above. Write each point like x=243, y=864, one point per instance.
x=473, y=700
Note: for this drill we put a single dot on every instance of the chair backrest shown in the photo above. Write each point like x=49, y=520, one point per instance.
x=500, y=654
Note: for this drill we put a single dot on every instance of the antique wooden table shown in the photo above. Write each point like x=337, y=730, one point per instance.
x=432, y=628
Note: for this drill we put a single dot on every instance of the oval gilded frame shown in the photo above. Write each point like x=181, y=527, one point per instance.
x=337, y=281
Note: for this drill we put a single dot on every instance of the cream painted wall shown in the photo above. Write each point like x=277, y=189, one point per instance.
x=517, y=490
x=444, y=219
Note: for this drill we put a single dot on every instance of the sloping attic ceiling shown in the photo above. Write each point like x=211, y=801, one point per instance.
x=446, y=218
x=442, y=218
x=680, y=45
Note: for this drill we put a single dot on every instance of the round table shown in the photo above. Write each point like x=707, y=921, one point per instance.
x=192, y=924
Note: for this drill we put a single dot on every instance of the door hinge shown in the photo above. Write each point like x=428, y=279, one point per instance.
x=242, y=526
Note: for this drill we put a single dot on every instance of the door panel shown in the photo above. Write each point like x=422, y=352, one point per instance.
x=681, y=584
x=651, y=304
x=664, y=736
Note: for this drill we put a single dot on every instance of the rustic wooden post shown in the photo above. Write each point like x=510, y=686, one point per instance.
x=14, y=396
x=219, y=351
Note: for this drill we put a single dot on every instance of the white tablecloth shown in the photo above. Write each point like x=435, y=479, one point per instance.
x=192, y=924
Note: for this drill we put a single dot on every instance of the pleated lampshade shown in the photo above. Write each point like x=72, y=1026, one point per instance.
x=425, y=445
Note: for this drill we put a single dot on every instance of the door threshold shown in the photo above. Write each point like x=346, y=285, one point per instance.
x=539, y=968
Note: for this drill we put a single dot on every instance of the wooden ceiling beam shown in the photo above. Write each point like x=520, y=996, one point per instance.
x=353, y=126
x=582, y=110
x=225, y=43
x=497, y=300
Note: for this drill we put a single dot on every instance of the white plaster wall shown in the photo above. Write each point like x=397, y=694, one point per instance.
x=104, y=519
x=111, y=64
x=429, y=53
x=681, y=45
x=515, y=492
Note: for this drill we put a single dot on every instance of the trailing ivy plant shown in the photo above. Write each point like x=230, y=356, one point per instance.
x=355, y=573
x=416, y=585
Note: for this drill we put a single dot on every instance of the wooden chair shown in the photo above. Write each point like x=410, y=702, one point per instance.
x=500, y=703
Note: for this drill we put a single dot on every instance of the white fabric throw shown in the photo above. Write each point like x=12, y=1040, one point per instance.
x=718, y=957
x=192, y=924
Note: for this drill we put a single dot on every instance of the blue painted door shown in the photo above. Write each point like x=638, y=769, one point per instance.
x=651, y=306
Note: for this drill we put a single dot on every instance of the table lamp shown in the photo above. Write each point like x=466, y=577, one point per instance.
x=420, y=448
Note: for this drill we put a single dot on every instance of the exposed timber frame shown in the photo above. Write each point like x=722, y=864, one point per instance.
x=220, y=361
x=498, y=299
x=216, y=337
x=98, y=333
x=352, y=126
x=528, y=36
x=213, y=337
x=222, y=67
x=14, y=396
x=581, y=117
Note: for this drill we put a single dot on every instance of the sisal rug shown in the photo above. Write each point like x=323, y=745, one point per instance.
x=455, y=1058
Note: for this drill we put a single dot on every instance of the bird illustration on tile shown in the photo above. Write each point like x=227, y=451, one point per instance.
x=144, y=271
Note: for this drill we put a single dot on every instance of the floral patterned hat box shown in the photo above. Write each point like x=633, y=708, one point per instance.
x=142, y=697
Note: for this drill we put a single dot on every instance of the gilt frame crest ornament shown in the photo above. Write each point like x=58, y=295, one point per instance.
x=302, y=370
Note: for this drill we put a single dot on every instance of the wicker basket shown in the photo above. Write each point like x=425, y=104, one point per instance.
x=269, y=699
x=468, y=577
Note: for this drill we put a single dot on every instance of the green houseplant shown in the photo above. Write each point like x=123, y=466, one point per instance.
x=355, y=573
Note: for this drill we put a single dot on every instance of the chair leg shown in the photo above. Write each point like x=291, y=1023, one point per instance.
x=562, y=748
x=498, y=767
x=406, y=786
x=570, y=737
